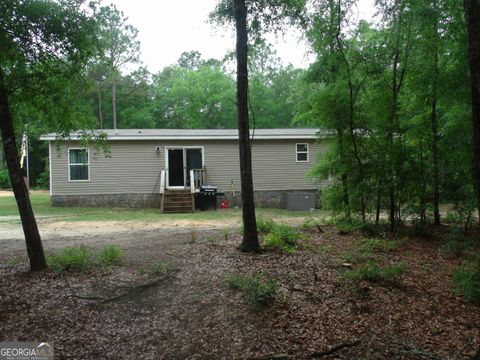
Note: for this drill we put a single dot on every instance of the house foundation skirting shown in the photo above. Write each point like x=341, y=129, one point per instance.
x=265, y=198
x=107, y=200
x=268, y=199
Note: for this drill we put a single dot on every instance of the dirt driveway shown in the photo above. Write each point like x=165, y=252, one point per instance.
x=130, y=234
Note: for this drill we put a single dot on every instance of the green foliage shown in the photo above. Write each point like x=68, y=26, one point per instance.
x=346, y=225
x=226, y=233
x=365, y=249
x=110, y=255
x=282, y=237
x=4, y=179
x=385, y=149
x=373, y=245
x=310, y=223
x=265, y=225
x=467, y=279
x=83, y=258
x=457, y=243
x=72, y=259
x=258, y=288
x=43, y=180
x=277, y=236
x=160, y=267
x=374, y=273
x=455, y=247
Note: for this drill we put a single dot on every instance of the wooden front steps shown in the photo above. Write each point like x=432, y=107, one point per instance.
x=178, y=201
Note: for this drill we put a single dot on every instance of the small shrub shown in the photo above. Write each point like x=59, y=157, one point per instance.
x=373, y=273
x=82, y=258
x=235, y=282
x=467, y=279
x=72, y=258
x=309, y=223
x=160, y=267
x=110, y=255
x=258, y=289
x=315, y=247
x=226, y=233
x=346, y=226
x=282, y=237
x=457, y=243
x=43, y=180
x=355, y=257
x=371, y=245
x=265, y=225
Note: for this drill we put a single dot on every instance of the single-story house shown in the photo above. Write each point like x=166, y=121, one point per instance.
x=146, y=164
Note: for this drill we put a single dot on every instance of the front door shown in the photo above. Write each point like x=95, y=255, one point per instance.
x=175, y=168
x=179, y=163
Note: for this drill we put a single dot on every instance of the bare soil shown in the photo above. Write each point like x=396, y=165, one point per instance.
x=190, y=313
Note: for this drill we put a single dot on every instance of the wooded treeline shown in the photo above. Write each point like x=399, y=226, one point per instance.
x=391, y=96
x=394, y=99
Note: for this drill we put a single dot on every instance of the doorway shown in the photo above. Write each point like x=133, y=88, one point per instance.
x=179, y=162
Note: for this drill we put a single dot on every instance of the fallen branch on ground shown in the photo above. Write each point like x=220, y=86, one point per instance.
x=334, y=349
x=130, y=290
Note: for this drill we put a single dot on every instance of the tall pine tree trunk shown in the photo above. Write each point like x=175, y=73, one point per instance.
x=436, y=172
x=114, y=100
x=472, y=12
x=100, y=108
x=344, y=176
x=30, y=229
x=250, y=237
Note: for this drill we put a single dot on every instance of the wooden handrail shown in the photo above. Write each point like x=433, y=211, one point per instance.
x=162, y=181
x=192, y=181
x=198, y=177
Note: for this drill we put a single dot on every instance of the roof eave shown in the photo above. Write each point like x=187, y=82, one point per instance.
x=170, y=138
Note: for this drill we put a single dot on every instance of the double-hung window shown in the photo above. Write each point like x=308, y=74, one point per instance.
x=302, y=152
x=78, y=165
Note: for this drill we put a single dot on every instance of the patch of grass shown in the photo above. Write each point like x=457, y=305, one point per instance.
x=259, y=290
x=346, y=226
x=374, y=273
x=265, y=225
x=110, y=255
x=312, y=246
x=455, y=247
x=160, y=267
x=355, y=257
x=72, y=259
x=282, y=237
x=467, y=280
x=226, y=233
x=369, y=246
x=457, y=243
x=310, y=223
x=365, y=249
x=83, y=258
x=17, y=260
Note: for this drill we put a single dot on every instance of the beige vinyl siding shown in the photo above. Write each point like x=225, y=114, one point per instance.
x=134, y=166
x=275, y=166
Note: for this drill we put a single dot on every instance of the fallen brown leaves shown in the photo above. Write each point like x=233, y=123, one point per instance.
x=193, y=315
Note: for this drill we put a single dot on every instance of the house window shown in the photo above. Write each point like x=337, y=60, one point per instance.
x=302, y=152
x=78, y=165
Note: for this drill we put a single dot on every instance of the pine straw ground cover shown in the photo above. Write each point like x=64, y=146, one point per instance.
x=183, y=308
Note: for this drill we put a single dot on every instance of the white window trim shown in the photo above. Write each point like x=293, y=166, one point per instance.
x=88, y=164
x=302, y=152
